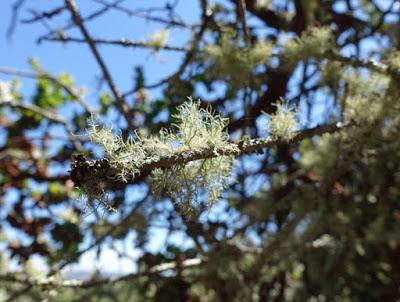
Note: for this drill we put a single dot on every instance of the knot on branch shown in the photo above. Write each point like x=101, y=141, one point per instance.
x=84, y=170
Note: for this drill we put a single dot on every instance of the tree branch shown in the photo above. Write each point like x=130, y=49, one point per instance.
x=14, y=17
x=121, y=42
x=107, y=76
x=70, y=25
x=83, y=170
x=44, y=15
x=241, y=12
x=52, y=78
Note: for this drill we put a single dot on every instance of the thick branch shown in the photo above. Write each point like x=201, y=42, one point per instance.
x=238, y=149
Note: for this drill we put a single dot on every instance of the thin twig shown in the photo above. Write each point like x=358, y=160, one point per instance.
x=14, y=17
x=100, y=239
x=43, y=15
x=121, y=42
x=90, y=17
x=52, y=78
x=36, y=109
x=142, y=14
x=53, y=282
x=48, y=115
x=107, y=76
x=190, y=54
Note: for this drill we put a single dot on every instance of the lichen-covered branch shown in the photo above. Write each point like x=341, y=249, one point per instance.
x=83, y=169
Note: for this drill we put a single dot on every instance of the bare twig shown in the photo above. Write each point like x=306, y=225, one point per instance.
x=143, y=14
x=36, y=109
x=52, y=78
x=121, y=42
x=43, y=15
x=54, y=282
x=107, y=76
x=48, y=115
x=190, y=53
x=90, y=17
x=14, y=17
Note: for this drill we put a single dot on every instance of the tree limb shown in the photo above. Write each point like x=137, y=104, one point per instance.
x=52, y=78
x=83, y=170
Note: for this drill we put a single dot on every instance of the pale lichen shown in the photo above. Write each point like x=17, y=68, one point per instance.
x=195, y=129
x=283, y=122
x=6, y=92
x=158, y=39
x=315, y=43
x=366, y=101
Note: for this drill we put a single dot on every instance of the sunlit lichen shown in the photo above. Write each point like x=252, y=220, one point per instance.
x=366, y=101
x=392, y=58
x=6, y=94
x=158, y=39
x=282, y=122
x=312, y=43
x=195, y=129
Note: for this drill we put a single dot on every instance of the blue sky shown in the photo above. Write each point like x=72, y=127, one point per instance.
x=76, y=59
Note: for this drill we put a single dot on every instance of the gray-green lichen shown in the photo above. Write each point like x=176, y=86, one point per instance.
x=315, y=43
x=233, y=62
x=195, y=129
x=283, y=122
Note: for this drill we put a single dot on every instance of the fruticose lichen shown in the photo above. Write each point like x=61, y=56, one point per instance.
x=195, y=129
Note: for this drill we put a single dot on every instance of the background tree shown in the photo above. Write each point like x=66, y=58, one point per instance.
x=286, y=190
